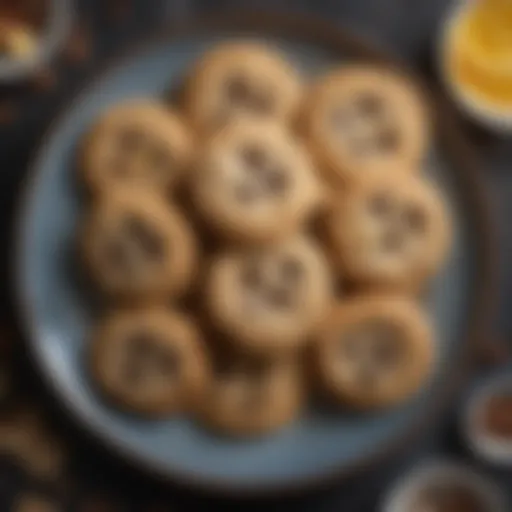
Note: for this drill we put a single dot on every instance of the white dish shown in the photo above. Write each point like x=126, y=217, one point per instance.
x=54, y=34
x=443, y=472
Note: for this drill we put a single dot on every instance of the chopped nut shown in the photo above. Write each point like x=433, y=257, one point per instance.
x=17, y=40
x=78, y=48
x=25, y=437
x=31, y=502
x=8, y=113
x=45, y=79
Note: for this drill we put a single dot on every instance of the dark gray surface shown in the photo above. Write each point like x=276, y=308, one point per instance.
x=407, y=28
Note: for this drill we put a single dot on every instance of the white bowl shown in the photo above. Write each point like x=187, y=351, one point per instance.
x=442, y=472
x=54, y=34
x=485, y=446
x=492, y=117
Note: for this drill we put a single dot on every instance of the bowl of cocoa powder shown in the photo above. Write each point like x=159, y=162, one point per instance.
x=31, y=33
x=487, y=420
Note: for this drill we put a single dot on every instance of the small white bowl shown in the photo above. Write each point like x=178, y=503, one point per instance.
x=486, y=447
x=54, y=34
x=443, y=472
x=487, y=115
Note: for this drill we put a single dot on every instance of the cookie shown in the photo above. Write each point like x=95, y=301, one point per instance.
x=360, y=120
x=253, y=183
x=137, y=247
x=252, y=396
x=390, y=231
x=268, y=300
x=140, y=143
x=241, y=79
x=149, y=361
x=374, y=352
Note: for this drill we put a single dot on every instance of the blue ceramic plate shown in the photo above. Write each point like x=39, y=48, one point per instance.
x=57, y=319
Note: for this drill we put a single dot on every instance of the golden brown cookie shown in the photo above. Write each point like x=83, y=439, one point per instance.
x=138, y=247
x=149, y=361
x=268, y=300
x=374, y=352
x=252, y=396
x=253, y=183
x=241, y=78
x=141, y=143
x=360, y=120
x=390, y=231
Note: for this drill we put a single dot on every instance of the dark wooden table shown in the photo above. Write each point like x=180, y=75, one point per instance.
x=405, y=27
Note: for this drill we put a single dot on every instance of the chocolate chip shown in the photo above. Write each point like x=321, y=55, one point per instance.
x=292, y=270
x=369, y=104
x=168, y=362
x=281, y=297
x=254, y=158
x=145, y=355
x=276, y=181
x=386, y=351
x=381, y=204
x=115, y=253
x=129, y=139
x=252, y=275
x=387, y=140
x=238, y=90
x=415, y=219
x=139, y=344
x=145, y=237
x=256, y=369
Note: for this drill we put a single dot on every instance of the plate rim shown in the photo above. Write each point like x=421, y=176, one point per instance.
x=320, y=32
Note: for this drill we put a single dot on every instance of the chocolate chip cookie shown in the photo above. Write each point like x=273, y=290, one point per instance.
x=140, y=143
x=390, y=231
x=241, y=78
x=269, y=299
x=374, y=352
x=254, y=183
x=150, y=361
x=252, y=396
x=138, y=247
x=360, y=120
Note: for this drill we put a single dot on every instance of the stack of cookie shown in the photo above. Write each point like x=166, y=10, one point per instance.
x=264, y=238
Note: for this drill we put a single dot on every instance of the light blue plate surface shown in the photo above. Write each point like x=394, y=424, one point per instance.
x=58, y=318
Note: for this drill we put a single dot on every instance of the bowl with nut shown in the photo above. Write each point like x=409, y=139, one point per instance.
x=31, y=33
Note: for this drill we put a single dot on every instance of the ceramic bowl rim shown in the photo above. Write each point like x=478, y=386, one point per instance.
x=322, y=33
x=431, y=470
